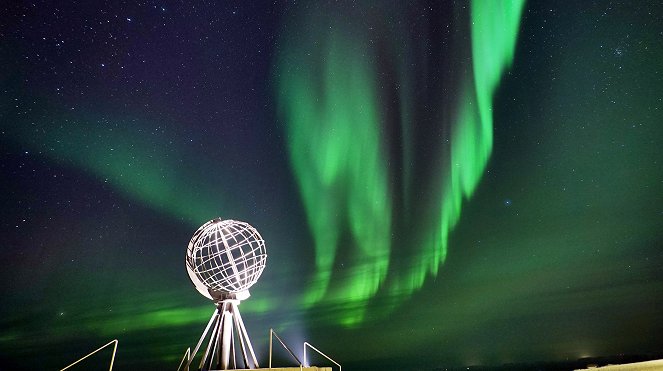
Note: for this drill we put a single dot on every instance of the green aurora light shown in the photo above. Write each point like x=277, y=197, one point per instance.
x=117, y=154
x=108, y=169
x=338, y=158
x=327, y=94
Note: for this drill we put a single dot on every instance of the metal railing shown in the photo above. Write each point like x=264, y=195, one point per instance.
x=317, y=350
x=112, y=358
x=187, y=358
x=273, y=333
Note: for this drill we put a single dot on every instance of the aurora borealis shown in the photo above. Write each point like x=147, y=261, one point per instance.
x=438, y=183
x=327, y=81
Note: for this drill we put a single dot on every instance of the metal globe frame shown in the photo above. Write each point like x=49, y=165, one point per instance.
x=224, y=259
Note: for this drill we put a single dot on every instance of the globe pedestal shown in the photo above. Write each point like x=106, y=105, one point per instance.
x=227, y=333
x=224, y=258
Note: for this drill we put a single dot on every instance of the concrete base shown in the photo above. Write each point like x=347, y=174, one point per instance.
x=639, y=366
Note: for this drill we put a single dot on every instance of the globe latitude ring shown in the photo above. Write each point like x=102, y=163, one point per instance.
x=225, y=258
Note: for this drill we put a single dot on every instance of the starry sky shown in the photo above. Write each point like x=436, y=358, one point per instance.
x=439, y=184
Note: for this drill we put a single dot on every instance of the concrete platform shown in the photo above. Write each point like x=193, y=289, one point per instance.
x=639, y=366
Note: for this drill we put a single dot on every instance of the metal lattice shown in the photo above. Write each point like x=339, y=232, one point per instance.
x=226, y=255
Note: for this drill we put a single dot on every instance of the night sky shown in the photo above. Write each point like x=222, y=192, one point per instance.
x=439, y=184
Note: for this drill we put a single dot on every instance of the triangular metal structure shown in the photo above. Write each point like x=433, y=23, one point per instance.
x=226, y=327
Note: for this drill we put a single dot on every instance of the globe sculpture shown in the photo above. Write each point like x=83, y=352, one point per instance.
x=224, y=259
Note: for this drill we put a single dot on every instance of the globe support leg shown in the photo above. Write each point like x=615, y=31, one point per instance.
x=242, y=332
x=233, y=323
x=208, y=358
x=226, y=336
x=212, y=321
x=225, y=324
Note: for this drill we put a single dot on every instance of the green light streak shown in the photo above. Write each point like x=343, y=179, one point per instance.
x=494, y=27
x=118, y=154
x=148, y=319
x=334, y=141
x=326, y=90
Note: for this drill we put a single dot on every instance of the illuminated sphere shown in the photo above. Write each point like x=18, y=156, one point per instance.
x=225, y=257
